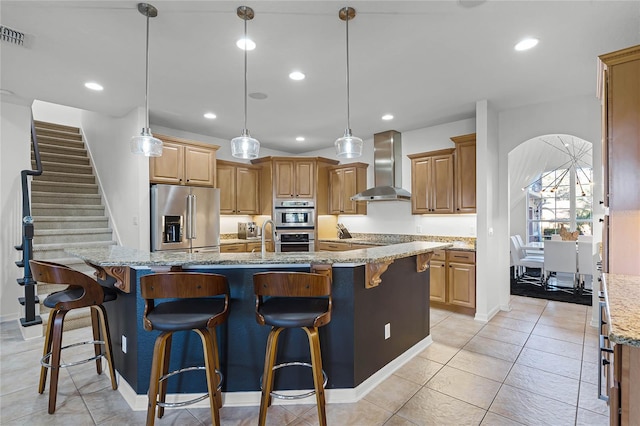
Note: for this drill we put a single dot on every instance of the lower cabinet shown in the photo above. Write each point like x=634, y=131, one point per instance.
x=453, y=280
x=245, y=247
x=341, y=246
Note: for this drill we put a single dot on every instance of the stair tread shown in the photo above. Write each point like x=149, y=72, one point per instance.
x=64, y=194
x=73, y=184
x=54, y=246
x=42, y=232
x=70, y=219
x=66, y=206
x=39, y=124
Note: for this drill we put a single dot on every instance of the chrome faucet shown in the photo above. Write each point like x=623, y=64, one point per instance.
x=273, y=234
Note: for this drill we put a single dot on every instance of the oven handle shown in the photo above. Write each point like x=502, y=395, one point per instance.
x=604, y=362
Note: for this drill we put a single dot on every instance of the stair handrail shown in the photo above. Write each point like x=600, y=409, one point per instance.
x=30, y=317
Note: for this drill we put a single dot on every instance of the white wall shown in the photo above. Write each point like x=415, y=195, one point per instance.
x=15, y=145
x=54, y=113
x=579, y=116
x=394, y=217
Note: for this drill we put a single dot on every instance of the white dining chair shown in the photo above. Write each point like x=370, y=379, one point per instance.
x=521, y=262
x=560, y=257
x=585, y=238
x=525, y=251
x=556, y=237
x=586, y=260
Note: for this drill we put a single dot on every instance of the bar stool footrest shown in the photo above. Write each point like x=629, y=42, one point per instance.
x=298, y=396
x=44, y=361
x=191, y=401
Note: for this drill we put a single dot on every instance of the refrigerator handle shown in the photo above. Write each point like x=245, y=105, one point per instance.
x=194, y=215
x=189, y=217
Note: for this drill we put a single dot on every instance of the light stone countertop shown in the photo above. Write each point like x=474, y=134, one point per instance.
x=124, y=256
x=622, y=294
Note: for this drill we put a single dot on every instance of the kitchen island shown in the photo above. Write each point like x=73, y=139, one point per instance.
x=376, y=291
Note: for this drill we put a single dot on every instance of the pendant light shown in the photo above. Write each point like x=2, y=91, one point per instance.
x=348, y=146
x=145, y=143
x=244, y=146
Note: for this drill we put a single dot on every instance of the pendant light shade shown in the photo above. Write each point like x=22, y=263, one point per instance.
x=348, y=146
x=145, y=143
x=244, y=146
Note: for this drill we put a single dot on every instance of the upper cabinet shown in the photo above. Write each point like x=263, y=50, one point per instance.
x=239, y=188
x=295, y=178
x=345, y=181
x=465, y=173
x=621, y=160
x=432, y=182
x=184, y=162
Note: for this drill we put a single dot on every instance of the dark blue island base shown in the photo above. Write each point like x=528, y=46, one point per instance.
x=355, y=353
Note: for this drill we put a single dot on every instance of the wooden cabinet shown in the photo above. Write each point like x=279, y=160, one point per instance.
x=621, y=160
x=452, y=280
x=465, y=173
x=432, y=182
x=344, y=182
x=239, y=188
x=248, y=247
x=184, y=162
x=341, y=246
x=294, y=178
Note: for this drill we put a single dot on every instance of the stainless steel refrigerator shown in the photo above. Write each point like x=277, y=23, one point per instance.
x=185, y=218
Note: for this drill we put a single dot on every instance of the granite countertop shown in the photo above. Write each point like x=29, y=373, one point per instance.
x=123, y=256
x=622, y=294
x=462, y=245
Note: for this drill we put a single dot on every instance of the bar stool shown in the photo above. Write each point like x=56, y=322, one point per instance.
x=82, y=292
x=196, y=309
x=292, y=300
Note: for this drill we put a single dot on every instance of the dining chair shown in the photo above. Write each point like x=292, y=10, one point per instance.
x=522, y=262
x=560, y=257
x=586, y=260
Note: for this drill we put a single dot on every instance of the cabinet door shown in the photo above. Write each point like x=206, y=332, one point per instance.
x=200, y=166
x=226, y=183
x=348, y=189
x=466, y=177
x=247, y=194
x=284, y=182
x=442, y=184
x=169, y=168
x=437, y=281
x=420, y=172
x=462, y=284
x=335, y=191
x=305, y=182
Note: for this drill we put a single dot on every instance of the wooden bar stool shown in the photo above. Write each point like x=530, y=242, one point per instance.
x=196, y=309
x=82, y=292
x=292, y=300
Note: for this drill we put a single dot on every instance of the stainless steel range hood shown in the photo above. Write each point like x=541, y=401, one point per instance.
x=387, y=169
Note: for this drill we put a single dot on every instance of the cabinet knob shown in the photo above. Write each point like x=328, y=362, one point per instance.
x=601, y=202
x=600, y=220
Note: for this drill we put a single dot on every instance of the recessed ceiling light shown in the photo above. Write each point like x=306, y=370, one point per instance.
x=246, y=44
x=297, y=75
x=387, y=117
x=93, y=86
x=210, y=115
x=526, y=44
x=300, y=138
x=258, y=95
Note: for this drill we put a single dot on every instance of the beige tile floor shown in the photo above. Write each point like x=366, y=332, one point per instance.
x=535, y=365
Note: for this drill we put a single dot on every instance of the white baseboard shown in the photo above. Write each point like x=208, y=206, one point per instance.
x=242, y=399
x=492, y=313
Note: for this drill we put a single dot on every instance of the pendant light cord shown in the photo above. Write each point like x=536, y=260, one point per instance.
x=245, y=67
x=348, y=110
x=146, y=93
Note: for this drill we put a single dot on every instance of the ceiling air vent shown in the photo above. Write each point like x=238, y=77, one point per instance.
x=11, y=36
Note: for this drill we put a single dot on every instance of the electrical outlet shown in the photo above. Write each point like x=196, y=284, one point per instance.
x=387, y=330
x=124, y=344
x=418, y=229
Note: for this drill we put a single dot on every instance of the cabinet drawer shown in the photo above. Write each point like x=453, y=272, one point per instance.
x=233, y=248
x=333, y=246
x=439, y=255
x=461, y=256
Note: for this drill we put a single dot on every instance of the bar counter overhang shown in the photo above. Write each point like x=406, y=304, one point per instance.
x=371, y=288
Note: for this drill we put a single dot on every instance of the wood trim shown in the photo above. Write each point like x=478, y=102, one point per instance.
x=373, y=271
x=471, y=137
x=182, y=141
x=119, y=273
x=447, y=151
x=422, y=261
x=342, y=166
x=323, y=269
x=620, y=56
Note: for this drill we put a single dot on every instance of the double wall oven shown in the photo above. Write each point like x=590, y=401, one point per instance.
x=296, y=225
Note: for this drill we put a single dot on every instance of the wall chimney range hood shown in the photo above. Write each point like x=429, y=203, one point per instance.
x=387, y=169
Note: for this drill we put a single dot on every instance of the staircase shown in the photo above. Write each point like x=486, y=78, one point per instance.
x=66, y=207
